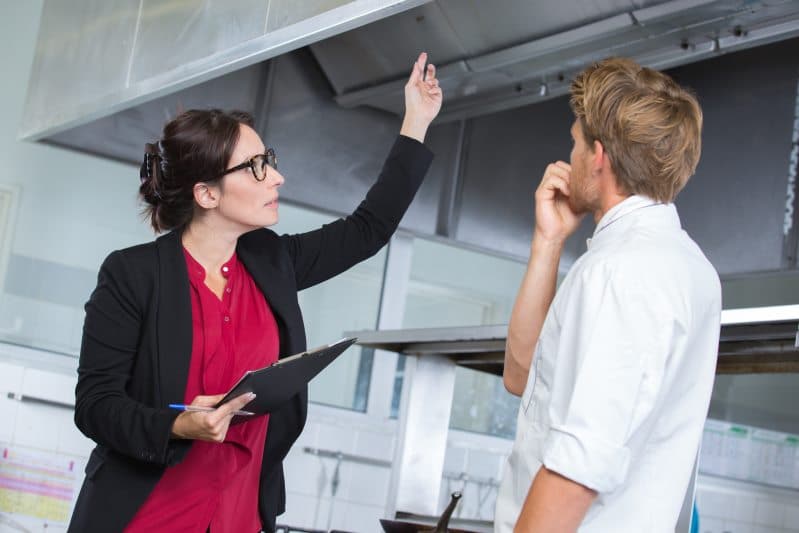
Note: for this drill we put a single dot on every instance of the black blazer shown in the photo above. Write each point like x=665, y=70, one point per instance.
x=136, y=347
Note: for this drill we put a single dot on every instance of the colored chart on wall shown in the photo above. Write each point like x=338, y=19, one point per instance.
x=750, y=454
x=38, y=485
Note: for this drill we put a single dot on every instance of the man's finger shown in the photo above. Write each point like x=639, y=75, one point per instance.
x=557, y=183
x=555, y=170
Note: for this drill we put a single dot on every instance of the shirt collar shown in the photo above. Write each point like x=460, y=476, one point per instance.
x=622, y=209
x=197, y=272
x=629, y=205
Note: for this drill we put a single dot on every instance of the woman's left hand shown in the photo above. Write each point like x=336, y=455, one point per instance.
x=423, y=99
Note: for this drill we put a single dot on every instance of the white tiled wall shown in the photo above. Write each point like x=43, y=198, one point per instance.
x=727, y=506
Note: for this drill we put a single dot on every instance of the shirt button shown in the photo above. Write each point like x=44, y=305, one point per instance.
x=227, y=290
x=227, y=318
x=225, y=269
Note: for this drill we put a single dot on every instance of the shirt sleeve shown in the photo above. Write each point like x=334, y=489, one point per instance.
x=608, y=369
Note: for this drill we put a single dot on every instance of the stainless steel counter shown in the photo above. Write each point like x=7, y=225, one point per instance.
x=752, y=340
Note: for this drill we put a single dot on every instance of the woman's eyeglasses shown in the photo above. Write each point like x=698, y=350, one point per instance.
x=257, y=164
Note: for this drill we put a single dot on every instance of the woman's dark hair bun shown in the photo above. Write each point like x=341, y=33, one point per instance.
x=195, y=146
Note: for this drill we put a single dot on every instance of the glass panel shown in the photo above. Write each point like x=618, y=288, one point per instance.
x=451, y=287
x=347, y=302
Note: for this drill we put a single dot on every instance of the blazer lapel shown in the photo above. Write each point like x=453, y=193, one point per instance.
x=260, y=255
x=174, y=331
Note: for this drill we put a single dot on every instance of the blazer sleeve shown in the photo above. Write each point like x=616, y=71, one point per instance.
x=323, y=253
x=104, y=411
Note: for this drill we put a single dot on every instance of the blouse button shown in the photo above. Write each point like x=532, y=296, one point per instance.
x=225, y=269
x=227, y=290
x=227, y=318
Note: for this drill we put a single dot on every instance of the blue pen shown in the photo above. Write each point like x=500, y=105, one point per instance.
x=183, y=407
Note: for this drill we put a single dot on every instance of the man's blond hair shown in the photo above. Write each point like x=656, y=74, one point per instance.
x=649, y=126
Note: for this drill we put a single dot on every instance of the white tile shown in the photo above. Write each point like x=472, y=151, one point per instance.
x=768, y=513
x=301, y=511
x=714, y=504
x=354, y=517
x=10, y=378
x=335, y=438
x=49, y=386
x=375, y=445
x=483, y=465
x=733, y=526
x=710, y=525
x=791, y=519
x=308, y=436
x=8, y=418
x=744, y=509
x=71, y=440
x=766, y=529
x=367, y=485
x=455, y=460
x=37, y=425
x=322, y=513
x=307, y=474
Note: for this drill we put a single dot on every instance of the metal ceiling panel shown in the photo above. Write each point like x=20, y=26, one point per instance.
x=175, y=45
x=489, y=26
x=657, y=34
x=283, y=13
x=82, y=51
x=122, y=135
x=380, y=51
x=174, y=34
x=452, y=30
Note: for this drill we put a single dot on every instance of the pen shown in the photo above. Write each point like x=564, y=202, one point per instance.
x=183, y=407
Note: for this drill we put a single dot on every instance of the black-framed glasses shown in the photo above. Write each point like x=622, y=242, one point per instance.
x=257, y=164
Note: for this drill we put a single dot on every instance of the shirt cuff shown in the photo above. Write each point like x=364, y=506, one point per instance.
x=586, y=459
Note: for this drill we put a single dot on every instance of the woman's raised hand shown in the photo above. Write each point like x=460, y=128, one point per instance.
x=210, y=426
x=423, y=99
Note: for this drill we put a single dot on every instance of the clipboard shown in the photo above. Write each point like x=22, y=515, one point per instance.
x=273, y=385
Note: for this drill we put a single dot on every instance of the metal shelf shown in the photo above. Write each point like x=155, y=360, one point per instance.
x=754, y=340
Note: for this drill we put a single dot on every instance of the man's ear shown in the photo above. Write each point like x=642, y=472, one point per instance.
x=599, y=161
x=206, y=196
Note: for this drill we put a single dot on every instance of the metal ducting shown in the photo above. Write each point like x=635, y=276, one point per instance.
x=509, y=53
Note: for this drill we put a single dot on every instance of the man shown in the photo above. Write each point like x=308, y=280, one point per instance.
x=616, y=369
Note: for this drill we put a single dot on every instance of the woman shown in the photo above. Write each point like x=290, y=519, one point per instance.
x=178, y=320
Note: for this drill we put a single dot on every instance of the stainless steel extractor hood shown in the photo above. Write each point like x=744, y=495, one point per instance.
x=508, y=53
x=97, y=57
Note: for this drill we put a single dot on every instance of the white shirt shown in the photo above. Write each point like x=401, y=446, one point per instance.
x=622, y=374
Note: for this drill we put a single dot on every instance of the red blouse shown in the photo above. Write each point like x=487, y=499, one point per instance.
x=216, y=484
